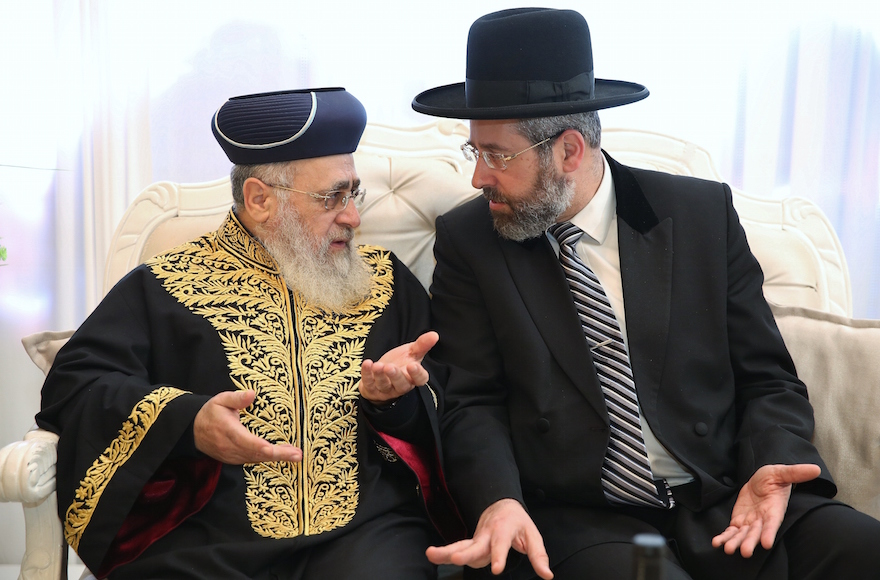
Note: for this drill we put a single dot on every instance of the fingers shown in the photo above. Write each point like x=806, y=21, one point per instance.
x=263, y=451
x=724, y=536
x=473, y=553
x=381, y=382
x=731, y=539
x=537, y=554
x=443, y=554
x=417, y=375
x=749, y=540
x=502, y=526
x=218, y=433
x=746, y=538
x=768, y=535
x=237, y=445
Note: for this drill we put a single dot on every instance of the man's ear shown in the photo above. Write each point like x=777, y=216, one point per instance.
x=574, y=149
x=259, y=200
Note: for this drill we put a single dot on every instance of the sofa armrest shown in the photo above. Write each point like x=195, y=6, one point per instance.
x=27, y=468
x=27, y=476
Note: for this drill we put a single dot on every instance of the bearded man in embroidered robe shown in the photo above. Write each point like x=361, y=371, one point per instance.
x=209, y=412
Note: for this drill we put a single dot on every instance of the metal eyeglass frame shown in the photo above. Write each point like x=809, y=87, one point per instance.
x=332, y=198
x=498, y=160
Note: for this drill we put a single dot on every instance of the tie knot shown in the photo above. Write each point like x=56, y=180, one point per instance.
x=566, y=233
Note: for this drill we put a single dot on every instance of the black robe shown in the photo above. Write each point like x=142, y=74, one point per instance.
x=214, y=315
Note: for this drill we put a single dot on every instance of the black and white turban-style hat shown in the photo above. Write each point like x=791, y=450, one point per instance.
x=289, y=125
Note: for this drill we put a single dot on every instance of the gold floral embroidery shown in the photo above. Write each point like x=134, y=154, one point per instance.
x=303, y=362
x=120, y=450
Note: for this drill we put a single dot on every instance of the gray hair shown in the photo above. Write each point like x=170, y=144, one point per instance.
x=274, y=173
x=539, y=128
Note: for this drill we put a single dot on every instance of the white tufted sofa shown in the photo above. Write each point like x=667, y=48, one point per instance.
x=415, y=174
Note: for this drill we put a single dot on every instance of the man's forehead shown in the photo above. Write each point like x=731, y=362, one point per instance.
x=494, y=133
x=330, y=172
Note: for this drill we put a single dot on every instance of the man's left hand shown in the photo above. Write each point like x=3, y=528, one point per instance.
x=398, y=371
x=760, y=507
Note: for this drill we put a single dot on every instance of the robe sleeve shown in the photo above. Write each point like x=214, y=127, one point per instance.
x=127, y=469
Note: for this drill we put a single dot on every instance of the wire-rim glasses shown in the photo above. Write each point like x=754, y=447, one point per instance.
x=332, y=198
x=497, y=160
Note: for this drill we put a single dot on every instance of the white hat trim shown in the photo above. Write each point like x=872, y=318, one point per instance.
x=299, y=133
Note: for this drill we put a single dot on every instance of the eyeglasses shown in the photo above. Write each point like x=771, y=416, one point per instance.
x=497, y=160
x=332, y=199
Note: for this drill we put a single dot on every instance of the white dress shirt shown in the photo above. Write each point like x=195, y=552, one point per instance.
x=598, y=248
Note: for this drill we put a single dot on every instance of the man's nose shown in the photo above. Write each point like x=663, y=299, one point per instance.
x=350, y=216
x=483, y=175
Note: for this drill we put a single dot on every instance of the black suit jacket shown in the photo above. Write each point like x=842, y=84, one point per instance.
x=525, y=416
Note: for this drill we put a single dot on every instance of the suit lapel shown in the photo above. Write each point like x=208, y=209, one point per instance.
x=535, y=270
x=646, y=273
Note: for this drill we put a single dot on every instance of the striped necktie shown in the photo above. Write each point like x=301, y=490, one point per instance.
x=626, y=473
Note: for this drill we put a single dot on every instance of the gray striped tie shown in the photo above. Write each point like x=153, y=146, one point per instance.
x=626, y=473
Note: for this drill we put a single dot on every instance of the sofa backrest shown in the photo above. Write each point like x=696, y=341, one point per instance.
x=412, y=175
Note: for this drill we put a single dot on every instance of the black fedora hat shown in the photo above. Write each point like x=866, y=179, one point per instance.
x=528, y=62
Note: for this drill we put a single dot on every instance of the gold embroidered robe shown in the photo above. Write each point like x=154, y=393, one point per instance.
x=209, y=316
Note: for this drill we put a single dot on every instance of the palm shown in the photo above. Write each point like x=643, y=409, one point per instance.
x=764, y=498
x=398, y=371
x=760, y=507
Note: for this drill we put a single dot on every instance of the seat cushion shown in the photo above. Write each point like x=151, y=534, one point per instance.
x=837, y=358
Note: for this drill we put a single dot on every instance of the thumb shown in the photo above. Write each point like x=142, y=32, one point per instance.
x=423, y=344
x=235, y=400
x=799, y=473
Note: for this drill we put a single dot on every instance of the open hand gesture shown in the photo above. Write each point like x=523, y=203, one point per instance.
x=398, y=371
x=760, y=507
x=218, y=433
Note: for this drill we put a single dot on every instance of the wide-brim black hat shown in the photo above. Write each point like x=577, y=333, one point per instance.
x=524, y=63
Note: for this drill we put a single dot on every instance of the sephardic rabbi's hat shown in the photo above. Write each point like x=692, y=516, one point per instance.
x=289, y=125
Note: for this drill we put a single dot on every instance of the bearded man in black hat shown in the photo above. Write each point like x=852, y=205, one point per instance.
x=615, y=369
x=209, y=415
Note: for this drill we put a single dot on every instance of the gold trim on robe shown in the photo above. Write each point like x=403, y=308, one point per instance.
x=302, y=361
x=120, y=450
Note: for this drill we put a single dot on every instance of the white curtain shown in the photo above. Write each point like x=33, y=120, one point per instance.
x=76, y=151
x=809, y=125
x=102, y=66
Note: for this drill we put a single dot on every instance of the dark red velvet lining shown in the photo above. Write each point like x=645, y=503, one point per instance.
x=438, y=501
x=179, y=488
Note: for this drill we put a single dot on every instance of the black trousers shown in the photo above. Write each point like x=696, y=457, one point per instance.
x=389, y=547
x=831, y=542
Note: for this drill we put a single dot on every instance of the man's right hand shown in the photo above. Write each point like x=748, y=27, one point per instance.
x=503, y=525
x=219, y=434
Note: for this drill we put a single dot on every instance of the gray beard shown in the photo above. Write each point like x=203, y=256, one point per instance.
x=531, y=217
x=334, y=280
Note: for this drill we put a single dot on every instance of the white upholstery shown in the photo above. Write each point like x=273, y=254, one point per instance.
x=413, y=175
x=802, y=258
